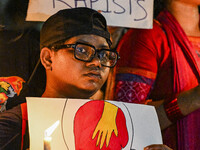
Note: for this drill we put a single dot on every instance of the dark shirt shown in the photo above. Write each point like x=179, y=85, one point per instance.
x=10, y=129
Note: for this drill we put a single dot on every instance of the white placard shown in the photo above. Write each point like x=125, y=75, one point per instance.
x=141, y=123
x=125, y=13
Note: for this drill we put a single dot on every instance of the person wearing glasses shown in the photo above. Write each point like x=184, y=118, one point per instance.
x=75, y=52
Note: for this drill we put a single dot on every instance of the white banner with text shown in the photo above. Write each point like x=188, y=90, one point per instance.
x=124, y=13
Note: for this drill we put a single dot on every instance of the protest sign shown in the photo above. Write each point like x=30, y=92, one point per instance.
x=91, y=125
x=124, y=13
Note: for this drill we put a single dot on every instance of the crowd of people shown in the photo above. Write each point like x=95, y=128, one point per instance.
x=158, y=66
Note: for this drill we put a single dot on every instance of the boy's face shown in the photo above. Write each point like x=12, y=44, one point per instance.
x=74, y=78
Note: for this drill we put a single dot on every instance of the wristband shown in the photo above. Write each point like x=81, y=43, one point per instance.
x=172, y=110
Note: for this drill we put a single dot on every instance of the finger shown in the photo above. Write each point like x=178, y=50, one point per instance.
x=94, y=133
x=108, y=138
x=103, y=137
x=116, y=132
x=98, y=139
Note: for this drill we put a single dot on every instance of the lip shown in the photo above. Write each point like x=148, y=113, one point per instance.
x=94, y=75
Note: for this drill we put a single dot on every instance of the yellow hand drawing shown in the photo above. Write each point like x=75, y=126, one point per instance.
x=106, y=125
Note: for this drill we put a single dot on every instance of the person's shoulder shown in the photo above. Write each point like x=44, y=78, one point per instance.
x=144, y=39
x=10, y=128
x=155, y=30
x=12, y=114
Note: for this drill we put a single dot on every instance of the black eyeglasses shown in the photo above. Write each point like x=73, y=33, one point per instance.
x=86, y=52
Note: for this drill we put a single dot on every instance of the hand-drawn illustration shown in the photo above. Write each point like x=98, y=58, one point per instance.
x=92, y=125
x=100, y=125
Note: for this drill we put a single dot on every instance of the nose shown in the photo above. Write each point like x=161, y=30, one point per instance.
x=95, y=62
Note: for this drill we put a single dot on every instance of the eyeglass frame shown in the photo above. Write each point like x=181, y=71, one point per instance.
x=62, y=46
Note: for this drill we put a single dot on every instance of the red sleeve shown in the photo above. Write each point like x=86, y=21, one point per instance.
x=141, y=54
x=141, y=48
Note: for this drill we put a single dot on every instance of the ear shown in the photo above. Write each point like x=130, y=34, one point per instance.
x=46, y=58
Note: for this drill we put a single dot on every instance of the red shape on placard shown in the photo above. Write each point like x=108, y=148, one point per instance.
x=85, y=122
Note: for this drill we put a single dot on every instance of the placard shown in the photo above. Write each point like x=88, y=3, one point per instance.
x=124, y=13
x=73, y=124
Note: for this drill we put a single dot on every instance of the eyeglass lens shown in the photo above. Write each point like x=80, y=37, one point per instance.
x=86, y=53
